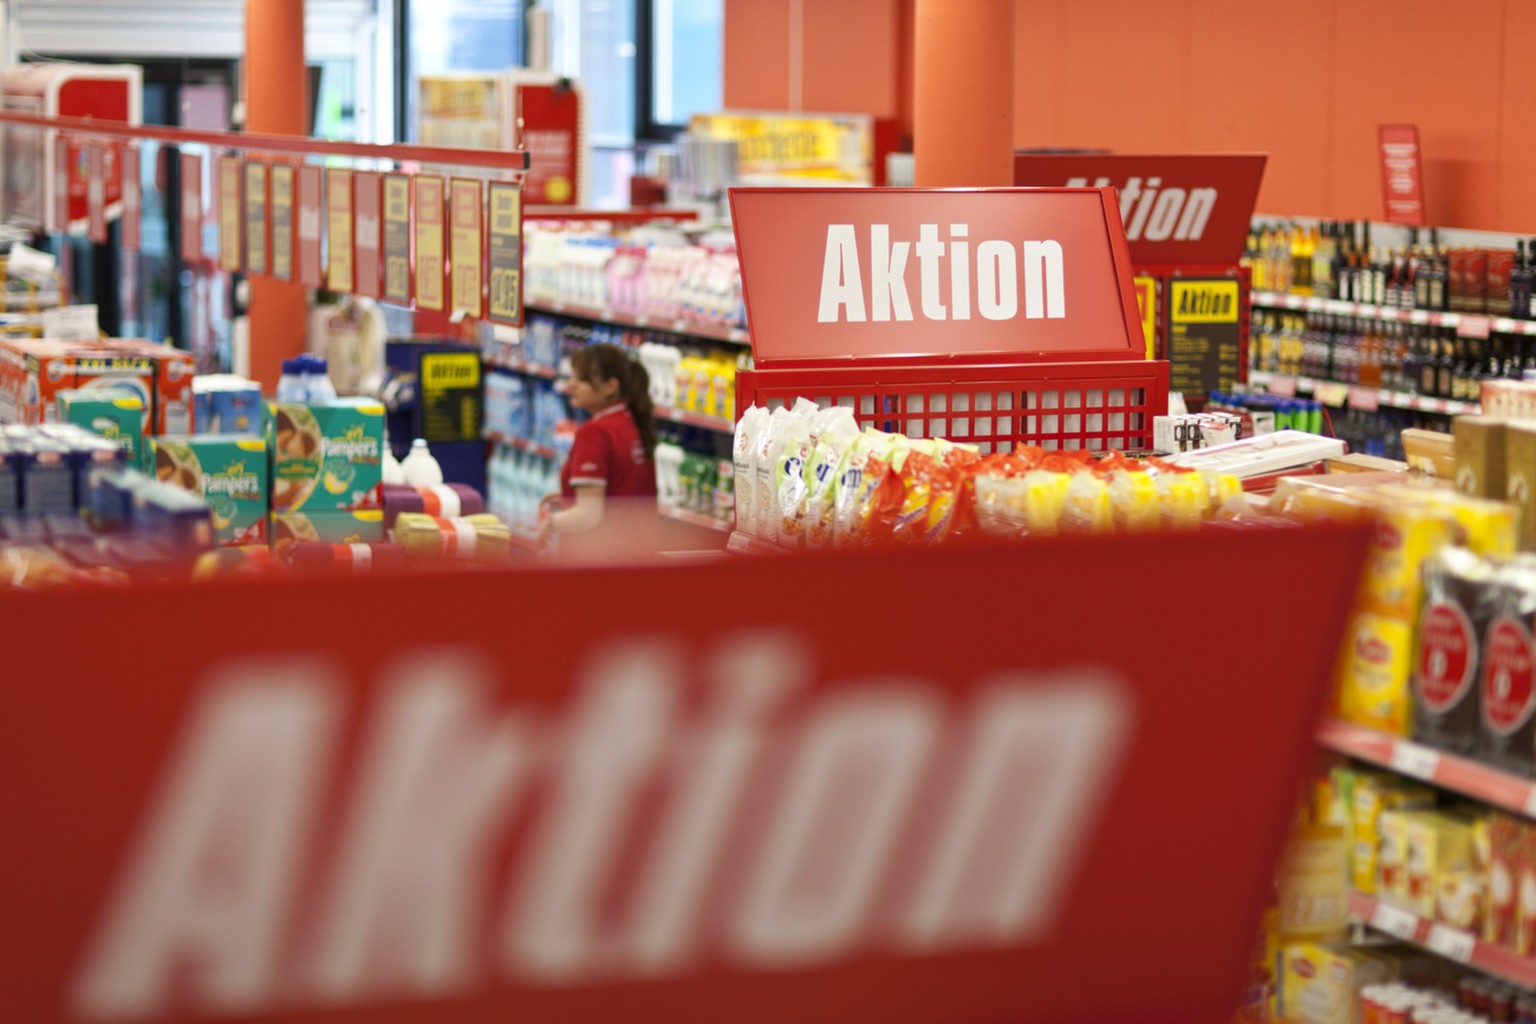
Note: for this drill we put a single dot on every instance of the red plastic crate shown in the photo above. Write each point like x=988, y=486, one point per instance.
x=1093, y=405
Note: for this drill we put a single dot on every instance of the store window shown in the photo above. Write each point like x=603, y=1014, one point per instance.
x=686, y=53
x=446, y=36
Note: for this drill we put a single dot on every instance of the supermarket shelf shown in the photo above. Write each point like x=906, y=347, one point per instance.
x=522, y=444
x=1333, y=392
x=683, y=515
x=676, y=325
x=1479, y=781
x=1470, y=324
x=745, y=544
x=697, y=419
x=518, y=366
x=1448, y=942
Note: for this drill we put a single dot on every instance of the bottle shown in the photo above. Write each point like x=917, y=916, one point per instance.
x=1519, y=284
x=1445, y=370
x=390, y=469
x=419, y=467
x=1429, y=376
x=1339, y=272
x=317, y=380
x=1419, y=265
x=292, y=387
x=1323, y=247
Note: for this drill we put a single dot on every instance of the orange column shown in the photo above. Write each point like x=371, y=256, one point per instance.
x=962, y=83
x=276, y=104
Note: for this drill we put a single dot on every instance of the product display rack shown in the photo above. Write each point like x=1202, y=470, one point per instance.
x=673, y=325
x=1437, y=767
x=1442, y=940
x=1337, y=393
x=1469, y=324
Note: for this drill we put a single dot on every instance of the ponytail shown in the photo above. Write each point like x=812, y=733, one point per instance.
x=601, y=361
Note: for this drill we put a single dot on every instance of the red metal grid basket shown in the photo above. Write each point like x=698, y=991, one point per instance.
x=1093, y=405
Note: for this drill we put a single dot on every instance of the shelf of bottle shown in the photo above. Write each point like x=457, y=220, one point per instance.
x=1452, y=943
x=673, y=325
x=1472, y=325
x=504, y=362
x=522, y=444
x=719, y=424
x=1437, y=767
x=1338, y=393
x=698, y=519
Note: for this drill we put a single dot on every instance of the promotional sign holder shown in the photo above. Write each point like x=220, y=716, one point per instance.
x=988, y=316
x=1186, y=221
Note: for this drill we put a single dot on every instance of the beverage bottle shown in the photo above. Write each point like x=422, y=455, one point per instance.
x=1519, y=284
x=317, y=380
x=292, y=386
x=1322, y=260
x=419, y=467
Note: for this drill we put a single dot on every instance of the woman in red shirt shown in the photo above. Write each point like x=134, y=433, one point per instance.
x=611, y=458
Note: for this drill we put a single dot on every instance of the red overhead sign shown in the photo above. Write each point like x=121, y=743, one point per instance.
x=893, y=275
x=712, y=810
x=1176, y=208
x=1402, y=173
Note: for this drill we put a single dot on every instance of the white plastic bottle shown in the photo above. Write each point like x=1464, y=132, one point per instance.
x=419, y=467
x=291, y=386
x=317, y=380
x=390, y=468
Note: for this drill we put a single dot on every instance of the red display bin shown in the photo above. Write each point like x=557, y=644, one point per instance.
x=989, y=316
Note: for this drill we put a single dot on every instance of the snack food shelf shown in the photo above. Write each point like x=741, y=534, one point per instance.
x=1333, y=392
x=1471, y=324
x=1437, y=767
x=1452, y=943
x=673, y=325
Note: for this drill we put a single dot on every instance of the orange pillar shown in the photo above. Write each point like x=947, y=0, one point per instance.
x=275, y=104
x=962, y=84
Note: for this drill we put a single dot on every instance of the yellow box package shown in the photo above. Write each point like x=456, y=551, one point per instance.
x=1374, y=668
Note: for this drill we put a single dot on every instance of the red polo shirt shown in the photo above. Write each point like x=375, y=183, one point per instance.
x=607, y=450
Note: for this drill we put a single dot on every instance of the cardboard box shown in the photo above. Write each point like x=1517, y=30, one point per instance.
x=1506, y=852
x=1520, y=477
x=1439, y=849
x=332, y=526
x=32, y=373
x=1480, y=459
x=1319, y=984
x=327, y=456
x=1373, y=681
x=117, y=415
x=1373, y=795
x=229, y=473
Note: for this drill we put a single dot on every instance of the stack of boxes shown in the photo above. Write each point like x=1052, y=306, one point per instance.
x=34, y=372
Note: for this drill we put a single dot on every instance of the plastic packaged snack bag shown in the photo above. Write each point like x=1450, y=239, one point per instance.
x=749, y=430
x=769, y=450
x=848, y=487
x=911, y=519
x=1044, y=500
x=822, y=475
x=1133, y=496
x=789, y=488
x=1087, y=507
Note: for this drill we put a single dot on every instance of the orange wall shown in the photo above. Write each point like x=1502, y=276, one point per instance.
x=1306, y=81
x=845, y=58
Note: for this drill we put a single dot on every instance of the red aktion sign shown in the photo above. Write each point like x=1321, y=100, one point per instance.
x=1402, y=173
x=1176, y=208
x=935, y=275
x=711, y=809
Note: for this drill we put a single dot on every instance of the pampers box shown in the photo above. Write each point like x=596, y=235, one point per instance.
x=327, y=456
x=116, y=415
x=228, y=472
x=362, y=526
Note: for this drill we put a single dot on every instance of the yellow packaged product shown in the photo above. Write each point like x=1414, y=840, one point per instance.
x=1488, y=528
x=1044, y=499
x=482, y=537
x=1440, y=852
x=1374, y=673
x=1372, y=794
x=1184, y=498
x=1319, y=983
x=1392, y=856
x=1134, y=500
x=1405, y=534
x=1087, y=508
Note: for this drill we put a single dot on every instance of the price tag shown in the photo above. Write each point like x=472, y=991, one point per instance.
x=680, y=326
x=1394, y=921
x=1281, y=385
x=1474, y=327
x=1331, y=392
x=1412, y=759
x=1367, y=399
x=1339, y=306
x=1418, y=316
x=1504, y=325
x=1530, y=802
x=1451, y=942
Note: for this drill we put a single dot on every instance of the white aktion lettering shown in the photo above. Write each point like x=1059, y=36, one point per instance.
x=887, y=275
x=198, y=915
x=1128, y=196
x=1133, y=227
x=1165, y=214
x=1040, y=755
x=748, y=677
x=618, y=733
x=1045, y=281
x=929, y=252
x=433, y=787
x=1197, y=210
x=841, y=284
x=959, y=272
x=830, y=839
x=997, y=284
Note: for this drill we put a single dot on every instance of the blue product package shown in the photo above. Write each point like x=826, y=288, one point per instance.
x=516, y=407
x=47, y=476
x=202, y=413
x=171, y=518
x=109, y=500
x=10, y=479
x=238, y=411
x=92, y=454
